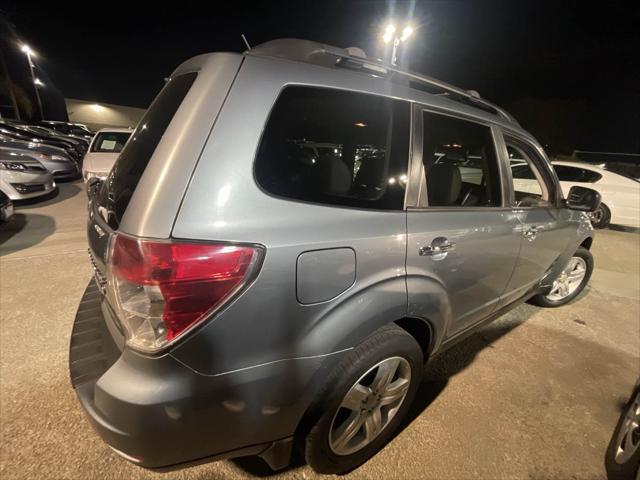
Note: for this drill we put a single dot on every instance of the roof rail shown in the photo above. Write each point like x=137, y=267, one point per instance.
x=308, y=51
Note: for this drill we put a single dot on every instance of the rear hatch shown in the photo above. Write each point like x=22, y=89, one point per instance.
x=110, y=201
x=143, y=191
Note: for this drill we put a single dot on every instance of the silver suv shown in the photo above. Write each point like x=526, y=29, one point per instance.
x=286, y=240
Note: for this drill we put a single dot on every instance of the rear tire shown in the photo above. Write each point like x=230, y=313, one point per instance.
x=358, y=393
x=550, y=300
x=622, y=460
x=601, y=217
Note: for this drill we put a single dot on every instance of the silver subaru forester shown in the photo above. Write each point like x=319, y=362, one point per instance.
x=288, y=238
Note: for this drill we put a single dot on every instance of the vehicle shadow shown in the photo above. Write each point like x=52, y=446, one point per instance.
x=622, y=228
x=60, y=194
x=40, y=226
x=457, y=358
x=434, y=381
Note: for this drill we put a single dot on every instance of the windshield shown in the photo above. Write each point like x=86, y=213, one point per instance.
x=110, y=142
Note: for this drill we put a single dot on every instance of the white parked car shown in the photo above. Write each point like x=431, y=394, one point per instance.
x=620, y=195
x=103, y=152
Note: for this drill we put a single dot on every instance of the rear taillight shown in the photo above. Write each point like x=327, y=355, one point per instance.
x=161, y=290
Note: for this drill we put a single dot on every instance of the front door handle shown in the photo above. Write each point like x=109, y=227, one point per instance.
x=531, y=232
x=438, y=247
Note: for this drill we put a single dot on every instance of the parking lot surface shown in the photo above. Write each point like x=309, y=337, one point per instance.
x=535, y=394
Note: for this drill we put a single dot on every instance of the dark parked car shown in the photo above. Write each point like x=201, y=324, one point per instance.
x=16, y=133
x=277, y=271
x=77, y=141
x=7, y=142
x=69, y=128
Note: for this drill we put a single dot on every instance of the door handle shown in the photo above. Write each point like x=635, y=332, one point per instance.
x=437, y=248
x=531, y=232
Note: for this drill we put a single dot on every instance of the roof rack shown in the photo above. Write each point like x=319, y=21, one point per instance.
x=312, y=52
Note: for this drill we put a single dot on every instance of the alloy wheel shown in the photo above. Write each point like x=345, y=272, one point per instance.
x=370, y=405
x=597, y=215
x=628, y=439
x=569, y=280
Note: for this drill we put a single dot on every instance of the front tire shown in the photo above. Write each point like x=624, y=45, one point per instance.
x=571, y=281
x=365, y=399
x=601, y=217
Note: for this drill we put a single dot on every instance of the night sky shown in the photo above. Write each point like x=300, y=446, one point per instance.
x=579, y=60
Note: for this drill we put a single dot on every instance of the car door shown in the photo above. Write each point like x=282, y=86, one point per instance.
x=462, y=239
x=543, y=222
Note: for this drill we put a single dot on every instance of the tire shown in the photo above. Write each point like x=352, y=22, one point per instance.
x=386, y=346
x=551, y=301
x=601, y=217
x=627, y=467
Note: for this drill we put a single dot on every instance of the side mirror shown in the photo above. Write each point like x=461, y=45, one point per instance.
x=93, y=184
x=583, y=199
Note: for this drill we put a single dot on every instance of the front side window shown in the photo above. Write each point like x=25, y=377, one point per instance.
x=529, y=186
x=336, y=147
x=460, y=163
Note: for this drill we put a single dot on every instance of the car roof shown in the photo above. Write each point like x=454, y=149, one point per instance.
x=347, y=62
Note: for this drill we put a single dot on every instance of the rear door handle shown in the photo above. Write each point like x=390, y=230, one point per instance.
x=531, y=232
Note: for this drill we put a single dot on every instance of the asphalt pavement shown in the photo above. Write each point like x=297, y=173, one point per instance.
x=534, y=395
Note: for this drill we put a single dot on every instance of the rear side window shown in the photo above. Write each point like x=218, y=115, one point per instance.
x=126, y=173
x=336, y=147
x=460, y=163
x=573, y=174
x=110, y=142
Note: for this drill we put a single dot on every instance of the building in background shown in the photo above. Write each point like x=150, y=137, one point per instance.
x=101, y=115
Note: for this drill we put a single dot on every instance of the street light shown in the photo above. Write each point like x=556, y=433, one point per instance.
x=36, y=81
x=390, y=36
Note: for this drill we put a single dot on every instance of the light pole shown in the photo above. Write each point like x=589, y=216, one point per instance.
x=36, y=81
x=390, y=35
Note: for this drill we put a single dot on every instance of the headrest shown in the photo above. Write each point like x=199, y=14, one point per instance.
x=443, y=184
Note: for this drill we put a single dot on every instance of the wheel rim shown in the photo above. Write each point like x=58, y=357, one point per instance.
x=628, y=438
x=370, y=405
x=569, y=280
x=597, y=215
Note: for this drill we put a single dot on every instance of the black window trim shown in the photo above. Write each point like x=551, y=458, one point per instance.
x=332, y=205
x=417, y=180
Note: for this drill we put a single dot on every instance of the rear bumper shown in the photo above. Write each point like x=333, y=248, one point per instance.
x=158, y=412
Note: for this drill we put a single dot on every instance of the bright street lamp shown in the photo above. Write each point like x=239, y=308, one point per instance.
x=390, y=36
x=26, y=49
x=36, y=81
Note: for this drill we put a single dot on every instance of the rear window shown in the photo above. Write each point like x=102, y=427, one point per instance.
x=110, y=142
x=336, y=147
x=126, y=173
